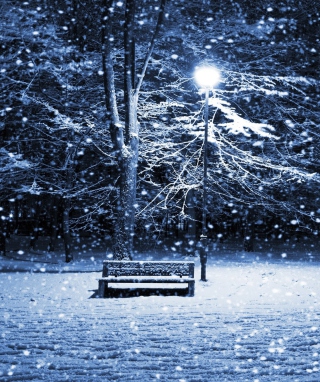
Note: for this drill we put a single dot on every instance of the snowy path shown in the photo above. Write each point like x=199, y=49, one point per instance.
x=249, y=322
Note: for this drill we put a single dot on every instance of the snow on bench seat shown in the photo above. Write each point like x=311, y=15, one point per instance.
x=136, y=272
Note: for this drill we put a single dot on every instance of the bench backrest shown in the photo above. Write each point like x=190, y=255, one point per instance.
x=148, y=268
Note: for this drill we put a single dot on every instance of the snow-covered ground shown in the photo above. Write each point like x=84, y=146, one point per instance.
x=257, y=318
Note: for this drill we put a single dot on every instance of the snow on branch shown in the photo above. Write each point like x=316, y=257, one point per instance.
x=268, y=85
x=241, y=159
x=34, y=189
x=10, y=160
x=239, y=125
x=61, y=120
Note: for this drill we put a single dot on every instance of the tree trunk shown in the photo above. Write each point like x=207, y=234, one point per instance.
x=3, y=233
x=16, y=214
x=191, y=223
x=53, y=224
x=36, y=222
x=3, y=243
x=125, y=138
x=124, y=234
x=66, y=230
x=249, y=230
x=191, y=211
x=128, y=157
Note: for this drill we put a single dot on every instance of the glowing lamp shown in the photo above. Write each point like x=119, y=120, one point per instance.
x=207, y=76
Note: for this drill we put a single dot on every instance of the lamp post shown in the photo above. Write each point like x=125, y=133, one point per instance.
x=206, y=77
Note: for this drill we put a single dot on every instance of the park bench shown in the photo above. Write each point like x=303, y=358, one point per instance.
x=137, y=272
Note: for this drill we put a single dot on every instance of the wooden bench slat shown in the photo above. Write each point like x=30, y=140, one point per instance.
x=155, y=268
x=145, y=280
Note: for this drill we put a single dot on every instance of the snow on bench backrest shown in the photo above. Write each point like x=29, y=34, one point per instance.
x=148, y=268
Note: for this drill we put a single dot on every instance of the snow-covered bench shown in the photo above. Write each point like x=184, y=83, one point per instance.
x=136, y=272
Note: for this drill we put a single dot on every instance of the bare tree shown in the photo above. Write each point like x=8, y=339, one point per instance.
x=125, y=131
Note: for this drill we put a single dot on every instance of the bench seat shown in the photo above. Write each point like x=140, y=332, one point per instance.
x=142, y=272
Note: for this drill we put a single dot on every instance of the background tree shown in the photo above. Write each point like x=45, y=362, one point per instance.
x=70, y=126
x=48, y=116
x=260, y=93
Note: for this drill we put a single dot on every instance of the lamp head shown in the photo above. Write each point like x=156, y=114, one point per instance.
x=207, y=76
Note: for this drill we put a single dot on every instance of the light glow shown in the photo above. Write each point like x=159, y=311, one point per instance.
x=207, y=76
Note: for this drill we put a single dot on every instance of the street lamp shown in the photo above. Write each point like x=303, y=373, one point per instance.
x=206, y=77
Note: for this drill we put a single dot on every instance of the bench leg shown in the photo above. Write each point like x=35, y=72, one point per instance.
x=191, y=288
x=103, y=286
